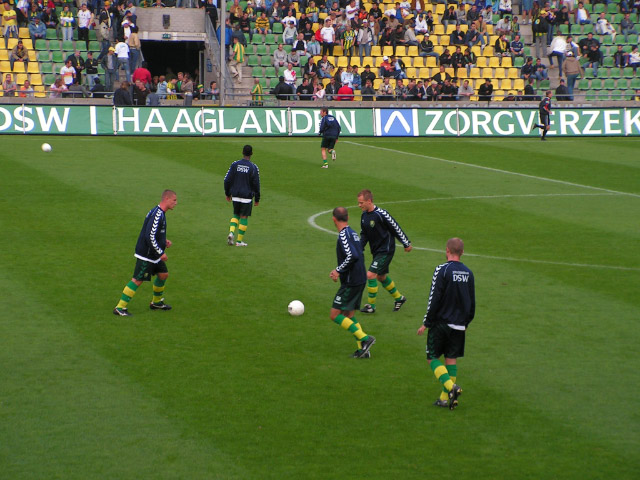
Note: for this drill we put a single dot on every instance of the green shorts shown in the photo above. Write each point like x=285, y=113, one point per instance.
x=380, y=263
x=348, y=298
x=145, y=270
x=242, y=209
x=328, y=142
x=444, y=340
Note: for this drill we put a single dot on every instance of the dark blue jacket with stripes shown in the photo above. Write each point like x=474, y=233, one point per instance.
x=152, y=240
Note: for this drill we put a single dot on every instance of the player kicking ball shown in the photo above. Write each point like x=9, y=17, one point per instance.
x=330, y=131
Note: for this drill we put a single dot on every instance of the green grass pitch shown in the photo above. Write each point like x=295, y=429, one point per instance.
x=228, y=386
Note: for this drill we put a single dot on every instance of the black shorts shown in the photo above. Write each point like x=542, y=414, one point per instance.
x=145, y=270
x=444, y=340
x=544, y=119
x=328, y=142
x=348, y=298
x=242, y=209
x=380, y=263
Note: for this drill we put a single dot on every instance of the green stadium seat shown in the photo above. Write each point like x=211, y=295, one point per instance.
x=266, y=60
x=588, y=28
x=613, y=7
x=54, y=45
x=43, y=56
x=564, y=29
x=253, y=61
x=49, y=79
x=57, y=56
x=591, y=96
x=608, y=62
x=92, y=35
x=257, y=72
x=596, y=84
x=270, y=39
x=52, y=34
x=304, y=60
x=288, y=48
x=270, y=72
x=545, y=85
x=588, y=7
x=603, y=96
x=277, y=28
x=68, y=46
x=598, y=8
x=617, y=95
x=262, y=49
x=258, y=39
x=266, y=84
x=94, y=46
x=41, y=45
x=609, y=84
x=582, y=84
x=519, y=62
x=46, y=68
x=635, y=83
x=576, y=29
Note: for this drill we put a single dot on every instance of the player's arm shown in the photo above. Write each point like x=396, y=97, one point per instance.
x=396, y=230
x=363, y=235
x=256, y=184
x=472, y=295
x=323, y=126
x=153, y=228
x=228, y=181
x=435, y=296
x=351, y=254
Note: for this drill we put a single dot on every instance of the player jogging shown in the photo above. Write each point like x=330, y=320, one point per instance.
x=151, y=256
x=330, y=131
x=351, y=272
x=545, y=112
x=242, y=185
x=451, y=307
x=380, y=230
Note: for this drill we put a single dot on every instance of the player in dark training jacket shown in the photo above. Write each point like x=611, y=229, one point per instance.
x=380, y=230
x=451, y=308
x=330, y=130
x=545, y=112
x=351, y=273
x=151, y=256
x=242, y=185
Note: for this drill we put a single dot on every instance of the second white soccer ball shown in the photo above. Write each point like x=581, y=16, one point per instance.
x=296, y=308
x=46, y=147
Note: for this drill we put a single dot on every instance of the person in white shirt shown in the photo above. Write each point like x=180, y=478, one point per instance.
x=351, y=10
x=582, y=16
x=328, y=35
x=290, y=75
x=504, y=7
x=288, y=19
x=122, y=52
x=68, y=73
x=603, y=27
x=558, y=49
x=421, y=25
x=84, y=22
x=347, y=77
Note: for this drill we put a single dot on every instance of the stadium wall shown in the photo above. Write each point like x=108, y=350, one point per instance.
x=355, y=122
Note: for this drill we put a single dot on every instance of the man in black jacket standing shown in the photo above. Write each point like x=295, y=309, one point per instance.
x=451, y=308
x=242, y=185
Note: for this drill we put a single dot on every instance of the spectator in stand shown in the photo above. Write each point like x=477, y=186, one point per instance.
x=433, y=91
x=357, y=81
x=399, y=67
x=91, y=70
x=328, y=38
x=503, y=27
x=348, y=41
x=122, y=52
x=457, y=36
x=68, y=73
x=620, y=59
x=472, y=14
x=425, y=48
x=421, y=26
x=449, y=17
x=445, y=58
x=26, y=91
x=312, y=11
x=572, y=70
x=562, y=92
x=474, y=36
x=325, y=68
x=410, y=38
x=469, y=60
x=331, y=89
x=448, y=91
x=558, y=49
x=77, y=62
x=122, y=97
x=485, y=91
x=364, y=40
x=562, y=17
x=211, y=10
x=504, y=7
x=582, y=16
x=310, y=70
x=237, y=60
x=110, y=65
x=290, y=76
x=85, y=19
x=304, y=91
x=367, y=74
x=501, y=47
x=58, y=88
x=289, y=34
x=465, y=91
x=213, y=91
x=9, y=24
x=262, y=24
x=279, y=58
x=50, y=19
x=98, y=90
x=385, y=91
x=37, y=30
x=540, y=29
x=401, y=90
x=540, y=71
x=313, y=45
x=300, y=46
x=346, y=78
x=604, y=27
x=572, y=47
x=345, y=94
x=594, y=57
x=627, y=27
x=142, y=74
x=457, y=60
x=516, y=48
x=528, y=69
x=235, y=11
x=368, y=92
x=19, y=54
x=441, y=76
x=633, y=59
x=294, y=58
x=529, y=91
x=526, y=8
x=9, y=87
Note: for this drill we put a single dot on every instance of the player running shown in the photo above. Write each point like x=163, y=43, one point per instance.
x=330, y=131
x=545, y=113
x=242, y=185
x=380, y=230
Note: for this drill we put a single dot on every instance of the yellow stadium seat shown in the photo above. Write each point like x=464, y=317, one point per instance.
x=506, y=62
x=440, y=9
x=479, y=82
x=450, y=71
x=412, y=51
x=401, y=51
x=418, y=62
x=39, y=91
x=487, y=73
x=411, y=72
x=438, y=30
x=387, y=50
x=518, y=84
x=512, y=73
x=473, y=98
x=5, y=66
x=337, y=51
x=376, y=83
x=488, y=51
x=444, y=40
x=438, y=49
x=499, y=73
x=18, y=67
x=342, y=62
x=376, y=51
x=482, y=62
x=505, y=84
x=477, y=50
x=408, y=61
x=490, y=30
x=498, y=95
x=317, y=58
x=474, y=73
x=20, y=78
x=4, y=55
x=12, y=43
x=27, y=43
x=355, y=61
x=425, y=72
x=33, y=67
x=32, y=56
x=23, y=32
x=36, y=79
x=450, y=29
x=494, y=62
x=431, y=62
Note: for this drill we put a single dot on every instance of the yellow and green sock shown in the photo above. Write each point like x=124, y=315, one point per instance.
x=127, y=294
x=390, y=286
x=233, y=223
x=158, y=290
x=452, y=370
x=441, y=373
x=242, y=228
x=353, y=326
x=372, y=292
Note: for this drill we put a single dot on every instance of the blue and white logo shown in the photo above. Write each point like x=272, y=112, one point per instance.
x=396, y=123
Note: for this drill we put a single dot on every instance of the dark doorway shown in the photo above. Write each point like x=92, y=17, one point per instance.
x=163, y=56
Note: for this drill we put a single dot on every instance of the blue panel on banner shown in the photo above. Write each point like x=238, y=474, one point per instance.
x=397, y=123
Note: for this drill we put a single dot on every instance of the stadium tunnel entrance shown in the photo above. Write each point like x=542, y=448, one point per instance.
x=163, y=57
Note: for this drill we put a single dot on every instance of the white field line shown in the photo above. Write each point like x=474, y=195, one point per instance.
x=496, y=170
x=312, y=221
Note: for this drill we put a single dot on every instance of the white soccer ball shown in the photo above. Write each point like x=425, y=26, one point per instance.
x=46, y=147
x=296, y=308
